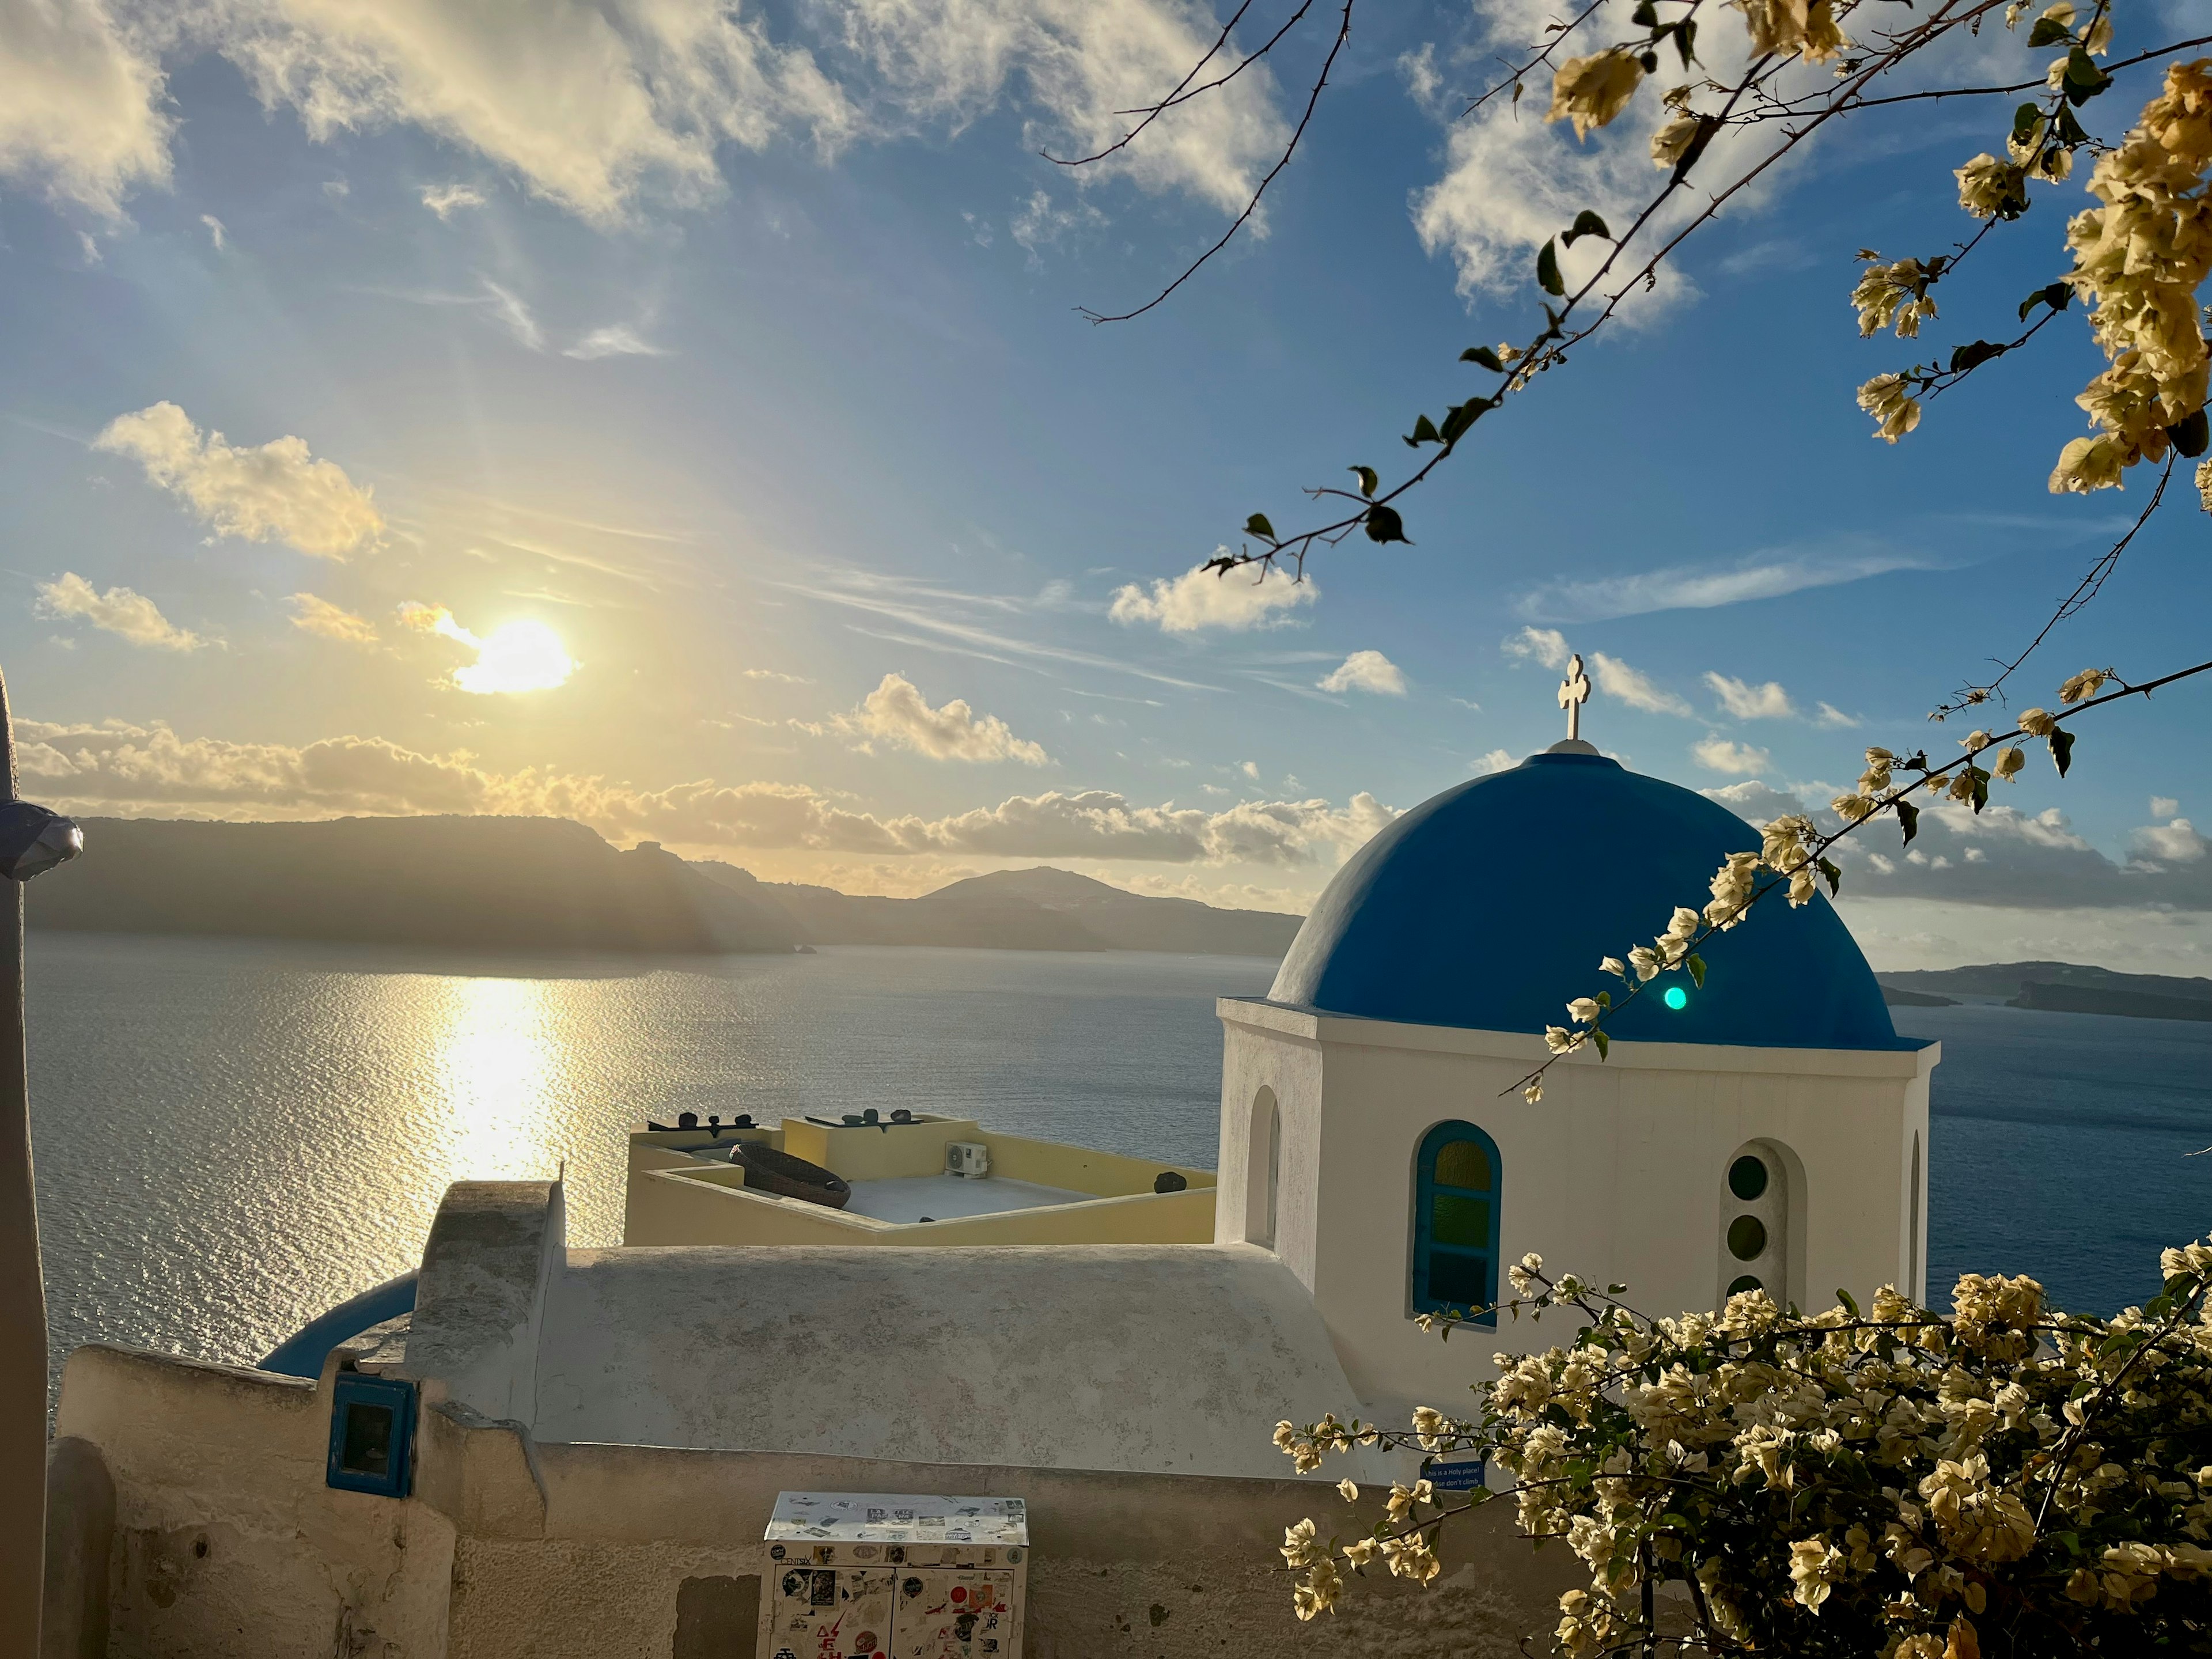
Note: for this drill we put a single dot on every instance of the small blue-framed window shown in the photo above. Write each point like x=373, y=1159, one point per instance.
x=1455, y=1195
x=372, y=1435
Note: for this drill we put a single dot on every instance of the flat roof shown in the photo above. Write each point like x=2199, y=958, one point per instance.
x=943, y=1197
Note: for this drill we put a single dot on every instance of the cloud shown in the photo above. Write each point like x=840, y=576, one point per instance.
x=1830, y=715
x=1547, y=646
x=616, y=340
x=1751, y=703
x=120, y=611
x=1719, y=754
x=896, y=713
x=149, y=770
x=1617, y=680
x=1683, y=587
x=773, y=674
x=1366, y=671
x=277, y=491
x=1082, y=64
x=2164, y=806
x=589, y=105
x=1754, y=802
x=215, y=231
x=2176, y=843
x=333, y=621
x=1199, y=600
x=514, y=315
x=1498, y=760
x=445, y=200
x=80, y=105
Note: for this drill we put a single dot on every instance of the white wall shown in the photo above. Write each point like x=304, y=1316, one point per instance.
x=1616, y=1174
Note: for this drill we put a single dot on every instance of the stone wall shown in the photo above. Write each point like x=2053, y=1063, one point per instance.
x=225, y=1541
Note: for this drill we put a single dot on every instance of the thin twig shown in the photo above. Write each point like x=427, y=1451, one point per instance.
x=1343, y=33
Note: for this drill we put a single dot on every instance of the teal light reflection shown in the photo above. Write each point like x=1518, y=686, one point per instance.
x=1676, y=997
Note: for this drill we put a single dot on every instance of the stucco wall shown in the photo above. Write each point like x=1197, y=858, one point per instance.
x=509, y=1551
x=227, y=1543
x=1616, y=1174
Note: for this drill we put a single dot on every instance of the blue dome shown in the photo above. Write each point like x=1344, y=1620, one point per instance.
x=1488, y=906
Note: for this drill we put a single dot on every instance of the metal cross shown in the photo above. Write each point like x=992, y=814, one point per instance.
x=1574, y=692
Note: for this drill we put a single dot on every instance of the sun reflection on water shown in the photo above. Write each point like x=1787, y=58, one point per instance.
x=494, y=1061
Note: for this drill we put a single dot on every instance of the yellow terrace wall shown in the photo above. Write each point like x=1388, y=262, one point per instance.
x=672, y=1199
x=701, y=1205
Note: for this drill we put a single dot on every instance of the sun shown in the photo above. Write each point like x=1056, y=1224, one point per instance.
x=517, y=656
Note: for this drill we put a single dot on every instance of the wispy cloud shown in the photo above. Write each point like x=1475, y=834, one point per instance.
x=1764, y=575
x=514, y=315
x=216, y=234
x=120, y=611
x=445, y=200
x=1745, y=702
x=615, y=340
x=1723, y=755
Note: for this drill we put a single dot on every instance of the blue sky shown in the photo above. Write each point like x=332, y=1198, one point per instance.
x=743, y=356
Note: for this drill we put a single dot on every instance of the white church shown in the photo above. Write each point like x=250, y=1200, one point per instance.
x=582, y=1449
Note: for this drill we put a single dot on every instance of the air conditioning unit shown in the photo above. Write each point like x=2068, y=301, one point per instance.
x=877, y=1575
x=970, y=1159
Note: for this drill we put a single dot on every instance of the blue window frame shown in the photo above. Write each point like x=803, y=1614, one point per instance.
x=1455, y=1196
x=372, y=1435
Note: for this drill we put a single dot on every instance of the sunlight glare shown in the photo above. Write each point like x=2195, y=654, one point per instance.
x=494, y=1063
x=517, y=656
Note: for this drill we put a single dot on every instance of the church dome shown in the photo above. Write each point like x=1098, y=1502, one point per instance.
x=1488, y=906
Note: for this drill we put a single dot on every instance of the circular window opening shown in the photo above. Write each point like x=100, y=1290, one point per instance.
x=1747, y=1238
x=1747, y=1177
x=1748, y=1282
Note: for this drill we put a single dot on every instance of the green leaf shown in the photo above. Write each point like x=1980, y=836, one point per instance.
x=2057, y=295
x=1707, y=127
x=1460, y=416
x=1835, y=876
x=1368, y=480
x=1383, y=524
x=1484, y=357
x=1685, y=37
x=2070, y=130
x=1587, y=223
x=2189, y=436
x=1645, y=17
x=1257, y=525
x=2083, y=80
x=2047, y=32
x=2061, y=749
x=1604, y=1043
x=1972, y=356
x=2027, y=122
x=1696, y=964
x=1425, y=432
x=1909, y=815
x=1981, y=782
x=1547, y=269
x=1851, y=1307
x=1604, y=998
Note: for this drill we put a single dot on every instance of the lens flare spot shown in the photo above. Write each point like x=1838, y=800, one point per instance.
x=517, y=656
x=1676, y=997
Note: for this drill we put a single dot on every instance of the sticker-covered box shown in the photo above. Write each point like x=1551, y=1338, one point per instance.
x=893, y=1576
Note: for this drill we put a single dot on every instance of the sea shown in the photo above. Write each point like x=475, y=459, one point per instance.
x=231, y=1136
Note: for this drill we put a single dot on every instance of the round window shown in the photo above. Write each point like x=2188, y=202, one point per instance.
x=1747, y=1238
x=1748, y=1282
x=1747, y=1177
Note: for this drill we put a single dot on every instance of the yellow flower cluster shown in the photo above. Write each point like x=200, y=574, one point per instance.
x=2139, y=260
x=1804, y=28
x=1894, y=1474
x=1895, y=293
x=1889, y=400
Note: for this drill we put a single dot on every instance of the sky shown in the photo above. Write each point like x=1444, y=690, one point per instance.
x=682, y=417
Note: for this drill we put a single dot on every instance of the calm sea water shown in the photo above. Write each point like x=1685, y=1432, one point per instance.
x=233, y=1135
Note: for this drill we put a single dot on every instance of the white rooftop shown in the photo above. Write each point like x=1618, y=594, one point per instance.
x=875, y=1517
x=943, y=1197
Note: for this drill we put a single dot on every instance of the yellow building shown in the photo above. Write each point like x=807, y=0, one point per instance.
x=683, y=1189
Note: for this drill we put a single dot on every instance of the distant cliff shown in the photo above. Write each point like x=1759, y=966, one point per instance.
x=2058, y=988
x=1039, y=910
x=462, y=882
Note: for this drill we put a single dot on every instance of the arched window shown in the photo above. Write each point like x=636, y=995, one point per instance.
x=1456, y=1222
x=1264, y=1170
